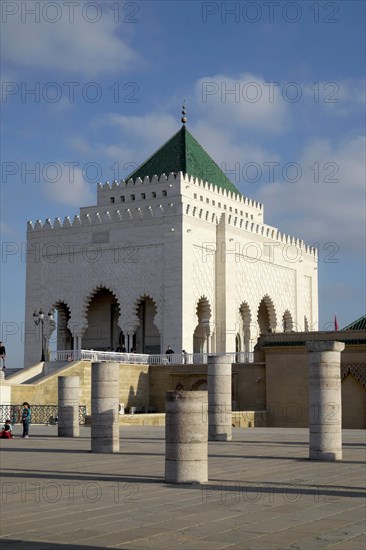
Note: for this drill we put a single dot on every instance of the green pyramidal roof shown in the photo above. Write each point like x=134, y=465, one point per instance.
x=359, y=324
x=183, y=153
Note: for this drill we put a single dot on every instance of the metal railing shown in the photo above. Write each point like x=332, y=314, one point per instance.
x=40, y=414
x=145, y=359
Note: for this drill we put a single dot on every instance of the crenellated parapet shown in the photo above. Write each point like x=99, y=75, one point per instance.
x=98, y=218
x=172, y=195
x=173, y=178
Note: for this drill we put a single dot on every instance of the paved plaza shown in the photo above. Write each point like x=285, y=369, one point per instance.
x=263, y=493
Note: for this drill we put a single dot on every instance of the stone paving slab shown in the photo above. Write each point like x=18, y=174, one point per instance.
x=263, y=493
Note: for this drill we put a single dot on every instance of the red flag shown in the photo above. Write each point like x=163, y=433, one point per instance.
x=335, y=322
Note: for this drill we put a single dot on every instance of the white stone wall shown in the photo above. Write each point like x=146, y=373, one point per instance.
x=176, y=240
x=242, y=261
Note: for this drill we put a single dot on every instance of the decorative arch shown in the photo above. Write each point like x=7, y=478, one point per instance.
x=92, y=293
x=203, y=305
x=266, y=315
x=63, y=340
x=202, y=333
x=245, y=313
x=144, y=296
x=287, y=322
x=245, y=319
x=101, y=311
x=199, y=385
x=147, y=334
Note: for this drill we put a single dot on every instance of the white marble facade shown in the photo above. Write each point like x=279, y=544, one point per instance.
x=168, y=260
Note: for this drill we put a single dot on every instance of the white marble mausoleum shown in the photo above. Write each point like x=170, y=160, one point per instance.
x=175, y=255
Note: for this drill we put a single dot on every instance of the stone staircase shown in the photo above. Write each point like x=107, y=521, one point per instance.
x=34, y=373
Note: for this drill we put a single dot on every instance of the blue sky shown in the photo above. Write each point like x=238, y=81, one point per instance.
x=274, y=91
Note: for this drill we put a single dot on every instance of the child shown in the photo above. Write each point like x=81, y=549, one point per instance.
x=26, y=415
x=6, y=432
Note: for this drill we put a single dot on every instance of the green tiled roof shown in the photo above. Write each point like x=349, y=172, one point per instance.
x=360, y=324
x=183, y=153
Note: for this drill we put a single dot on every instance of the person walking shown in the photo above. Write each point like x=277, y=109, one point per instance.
x=2, y=354
x=26, y=416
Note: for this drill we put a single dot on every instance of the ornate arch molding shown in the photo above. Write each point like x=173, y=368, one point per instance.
x=244, y=312
x=55, y=304
x=88, y=299
x=288, y=322
x=271, y=311
x=358, y=370
x=198, y=383
x=206, y=307
x=157, y=320
x=204, y=315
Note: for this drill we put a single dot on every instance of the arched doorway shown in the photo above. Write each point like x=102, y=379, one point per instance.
x=266, y=316
x=147, y=336
x=60, y=337
x=103, y=332
x=201, y=335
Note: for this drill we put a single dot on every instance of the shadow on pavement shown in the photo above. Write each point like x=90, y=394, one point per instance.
x=28, y=545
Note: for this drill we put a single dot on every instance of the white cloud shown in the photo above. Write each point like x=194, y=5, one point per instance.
x=140, y=137
x=323, y=211
x=72, y=45
x=153, y=128
x=339, y=97
x=244, y=102
x=70, y=188
x=225, y=149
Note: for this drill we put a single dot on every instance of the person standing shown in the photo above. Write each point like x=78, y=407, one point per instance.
x=26, y=416
x=169, y=352
x=2, y=354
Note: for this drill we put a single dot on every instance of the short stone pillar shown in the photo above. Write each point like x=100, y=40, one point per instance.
x=219, y=398
x=186, y=437
x=68, y=406
x=5, y=390
x=104, y=408
x=325, y=405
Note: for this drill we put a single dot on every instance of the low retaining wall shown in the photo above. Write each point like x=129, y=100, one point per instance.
x=240, y=419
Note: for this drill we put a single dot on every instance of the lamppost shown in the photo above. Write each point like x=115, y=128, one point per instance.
x=38, y=318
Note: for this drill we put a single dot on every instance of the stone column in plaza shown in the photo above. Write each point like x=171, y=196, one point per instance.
x=219, y=398
x=104, y=408
x=186, y=437
x=325, y=406
x=5, y=392
x=68, y=406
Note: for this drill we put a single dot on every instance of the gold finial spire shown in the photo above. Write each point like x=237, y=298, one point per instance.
x=184, y=118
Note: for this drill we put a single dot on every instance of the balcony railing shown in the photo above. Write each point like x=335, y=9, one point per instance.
x=98, y=356
x=145, y=359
